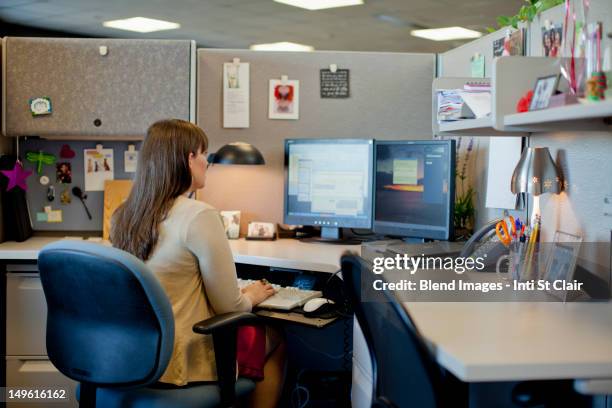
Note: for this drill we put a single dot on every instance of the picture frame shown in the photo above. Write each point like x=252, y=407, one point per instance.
x=261, y=231
x=231, y=223
x=284, y=99
x=561, y=261
x=543, y=90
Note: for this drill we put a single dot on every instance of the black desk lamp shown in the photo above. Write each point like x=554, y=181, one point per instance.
x=237, y=153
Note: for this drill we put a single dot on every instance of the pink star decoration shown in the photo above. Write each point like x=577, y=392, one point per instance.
x=17, y=176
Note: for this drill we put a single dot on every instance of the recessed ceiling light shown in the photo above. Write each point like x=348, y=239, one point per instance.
x=282, y=46
x=447, y=33
x=320, y=4
x=141, y=24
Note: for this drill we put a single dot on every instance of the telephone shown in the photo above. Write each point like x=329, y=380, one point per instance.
x=485, y=242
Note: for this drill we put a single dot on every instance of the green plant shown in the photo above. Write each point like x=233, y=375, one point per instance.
x=464, y=197
x=526, y=13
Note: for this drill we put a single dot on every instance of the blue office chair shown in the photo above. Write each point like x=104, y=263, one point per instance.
x=110, y=327
x=404, y=371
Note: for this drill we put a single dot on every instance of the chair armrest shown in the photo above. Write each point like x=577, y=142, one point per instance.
x=225, y=321
x=224, y=329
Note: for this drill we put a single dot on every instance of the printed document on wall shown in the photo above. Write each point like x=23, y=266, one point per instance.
x=236, y=95
x=504, y=154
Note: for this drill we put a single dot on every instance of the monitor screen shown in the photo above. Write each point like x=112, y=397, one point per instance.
x=414, y=188
x=328, y=182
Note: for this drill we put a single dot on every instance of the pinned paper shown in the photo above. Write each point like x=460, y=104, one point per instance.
x=284, y=99
x=236, y=94
x=477, y=65
x=334, y=82
x=54, y=216
x=49, y=215
x=130, y=159
x=98, y=167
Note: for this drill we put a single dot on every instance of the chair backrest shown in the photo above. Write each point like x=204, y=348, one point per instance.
x=405, y=372
x=109, y=321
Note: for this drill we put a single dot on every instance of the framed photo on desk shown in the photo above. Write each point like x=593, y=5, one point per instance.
x=561, y=262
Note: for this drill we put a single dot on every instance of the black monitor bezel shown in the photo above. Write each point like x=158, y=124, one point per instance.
x=332, y=221
x=409, y=230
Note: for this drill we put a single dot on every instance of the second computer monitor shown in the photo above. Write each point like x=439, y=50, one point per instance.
x=328, y=183
x=414, y=188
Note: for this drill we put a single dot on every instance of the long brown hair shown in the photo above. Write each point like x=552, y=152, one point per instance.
x=162, y=174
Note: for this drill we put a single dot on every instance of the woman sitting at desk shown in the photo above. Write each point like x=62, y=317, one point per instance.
x=184, y=244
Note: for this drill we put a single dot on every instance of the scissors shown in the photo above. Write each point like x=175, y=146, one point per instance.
x=501, y=230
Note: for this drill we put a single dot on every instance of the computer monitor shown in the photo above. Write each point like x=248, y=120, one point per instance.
x=414, y=188
x=328, y=184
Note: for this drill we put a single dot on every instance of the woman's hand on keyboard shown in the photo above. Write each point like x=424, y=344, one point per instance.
x=258, y=291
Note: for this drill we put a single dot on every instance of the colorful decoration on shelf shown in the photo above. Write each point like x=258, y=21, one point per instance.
x=524, y=102
x=596, y=86
x=41, y=158
x=66, y=152
x=17, y=177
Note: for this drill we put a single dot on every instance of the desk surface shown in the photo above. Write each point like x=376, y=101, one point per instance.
x=498, y=341
x=282, y=253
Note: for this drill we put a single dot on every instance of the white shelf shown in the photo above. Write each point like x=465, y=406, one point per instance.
x=466, y=124
x=581, y=116
x=465, y=127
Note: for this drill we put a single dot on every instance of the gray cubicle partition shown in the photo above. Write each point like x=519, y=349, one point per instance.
x=390, y=98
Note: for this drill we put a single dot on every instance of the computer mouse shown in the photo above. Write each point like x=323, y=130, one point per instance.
x=316, y=303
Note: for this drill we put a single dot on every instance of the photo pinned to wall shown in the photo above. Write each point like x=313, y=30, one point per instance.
x=98, y=168
x=552, y=35
x=231, y=222
x=284, y=99
x=236, y=94
x=513, y=43
x=63, y=173
x=130, y=159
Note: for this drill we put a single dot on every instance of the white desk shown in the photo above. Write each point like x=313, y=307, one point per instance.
x=497, y=341
x=282, y=253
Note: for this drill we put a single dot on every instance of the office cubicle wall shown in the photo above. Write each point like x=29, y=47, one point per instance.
x=390, y=98
x=583, y=156
x=456, y=63
x=586, y=161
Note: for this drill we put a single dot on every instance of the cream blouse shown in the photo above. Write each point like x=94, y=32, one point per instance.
x=194, y=264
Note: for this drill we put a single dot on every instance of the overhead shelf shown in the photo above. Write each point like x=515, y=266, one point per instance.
x=511, y=78
x=474, y=127
x=588, y=116
x=464, y=127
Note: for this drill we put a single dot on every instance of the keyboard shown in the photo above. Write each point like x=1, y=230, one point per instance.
x=286, y=297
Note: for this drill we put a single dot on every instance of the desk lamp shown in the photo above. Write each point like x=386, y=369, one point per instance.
x=536, y=173
x=237, y=153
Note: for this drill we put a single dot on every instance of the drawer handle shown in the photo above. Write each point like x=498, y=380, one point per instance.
x=37, y=366
x=31, y=284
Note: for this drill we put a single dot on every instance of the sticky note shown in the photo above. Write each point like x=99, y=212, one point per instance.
x=54, y=216
x=41, y=217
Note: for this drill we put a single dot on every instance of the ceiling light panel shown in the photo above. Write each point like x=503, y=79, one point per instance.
x=320, y=4
x=446, y=34
x=141, y=24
